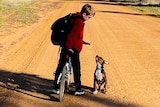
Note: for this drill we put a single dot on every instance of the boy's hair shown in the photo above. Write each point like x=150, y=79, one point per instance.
x=88, y=9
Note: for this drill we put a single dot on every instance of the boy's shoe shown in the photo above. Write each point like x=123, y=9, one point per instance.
x=55, y=91
x=79, y=92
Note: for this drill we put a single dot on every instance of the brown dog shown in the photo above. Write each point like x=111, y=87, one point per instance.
x=100, y=79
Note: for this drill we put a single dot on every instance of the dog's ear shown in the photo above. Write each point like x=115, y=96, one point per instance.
x=105, y=62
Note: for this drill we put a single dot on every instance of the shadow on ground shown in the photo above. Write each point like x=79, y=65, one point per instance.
x=30, y=85
x=27, y=84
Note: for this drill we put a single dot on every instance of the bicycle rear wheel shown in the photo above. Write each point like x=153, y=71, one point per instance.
x=62, y=86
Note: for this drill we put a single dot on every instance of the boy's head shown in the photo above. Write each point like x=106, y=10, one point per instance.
x=87, y=11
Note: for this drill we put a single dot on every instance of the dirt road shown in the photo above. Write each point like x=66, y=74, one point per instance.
x=128, y=40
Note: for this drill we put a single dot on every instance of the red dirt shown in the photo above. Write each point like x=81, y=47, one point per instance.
x=125, y=38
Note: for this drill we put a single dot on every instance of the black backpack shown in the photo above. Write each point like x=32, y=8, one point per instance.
x=60, y=29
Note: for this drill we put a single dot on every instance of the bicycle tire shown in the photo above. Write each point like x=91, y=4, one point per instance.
x=62, y=85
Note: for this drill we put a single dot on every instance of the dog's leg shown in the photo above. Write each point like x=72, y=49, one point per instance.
x=102, y=88
x=95, y=87
x=105, y=83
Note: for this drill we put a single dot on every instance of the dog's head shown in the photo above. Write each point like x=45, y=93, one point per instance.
x=100, y=61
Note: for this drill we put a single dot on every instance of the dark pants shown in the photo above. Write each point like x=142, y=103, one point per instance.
x=75, y=64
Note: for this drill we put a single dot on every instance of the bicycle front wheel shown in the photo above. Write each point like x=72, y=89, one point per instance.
x=62, y=86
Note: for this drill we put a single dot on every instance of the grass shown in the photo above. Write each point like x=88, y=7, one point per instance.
x=20, y=13
x=25, y=14
x=14, y=16
x=147, y=9
x=1, y=19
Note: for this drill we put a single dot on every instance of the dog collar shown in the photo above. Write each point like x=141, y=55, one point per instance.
x=99, y=69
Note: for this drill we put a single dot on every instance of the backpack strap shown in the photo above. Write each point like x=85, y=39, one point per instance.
x=73, y=15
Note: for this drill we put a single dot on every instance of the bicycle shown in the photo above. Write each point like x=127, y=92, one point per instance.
x=64, y=77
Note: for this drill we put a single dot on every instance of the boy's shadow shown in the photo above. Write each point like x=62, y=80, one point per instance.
x=27, y=84
x=30, y=84
x=72, y=88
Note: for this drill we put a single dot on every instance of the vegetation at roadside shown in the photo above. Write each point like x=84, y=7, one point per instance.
x=13, y=13
x=20, y=13
x=1, y=19
x=147, y=9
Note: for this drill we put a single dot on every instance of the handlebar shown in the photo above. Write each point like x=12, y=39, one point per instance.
x=86, y=43
x=70, y=52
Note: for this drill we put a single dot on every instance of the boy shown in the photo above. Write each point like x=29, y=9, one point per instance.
x=73, y=47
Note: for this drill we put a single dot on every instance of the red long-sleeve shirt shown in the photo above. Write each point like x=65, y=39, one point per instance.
x=75, y=37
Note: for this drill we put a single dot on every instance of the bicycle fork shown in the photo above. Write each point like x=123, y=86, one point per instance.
x=67, y=75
